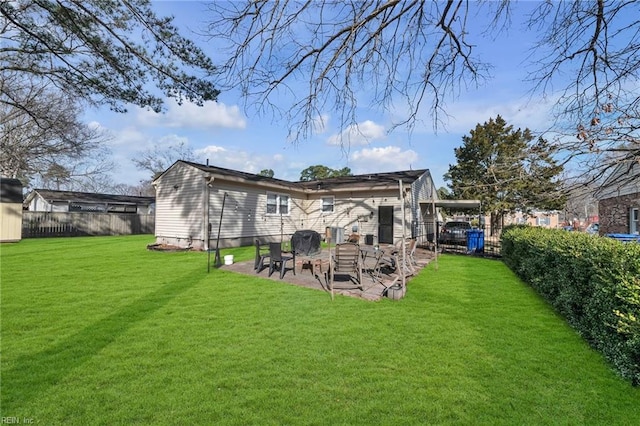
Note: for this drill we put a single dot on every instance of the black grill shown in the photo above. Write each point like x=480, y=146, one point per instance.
x=306, y=242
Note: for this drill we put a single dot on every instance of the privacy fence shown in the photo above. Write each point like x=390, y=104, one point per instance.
x=59, y=224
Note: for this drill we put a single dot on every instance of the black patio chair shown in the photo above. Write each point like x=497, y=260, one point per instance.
x=262, y=253
x=279, y=261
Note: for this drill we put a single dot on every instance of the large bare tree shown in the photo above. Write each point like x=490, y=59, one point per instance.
x=590, y=51
x=42, y=138
x=412, y=55
x=345, y=53
x=158, y=158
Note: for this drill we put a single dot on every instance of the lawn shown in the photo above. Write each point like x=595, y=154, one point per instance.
x=99, y=330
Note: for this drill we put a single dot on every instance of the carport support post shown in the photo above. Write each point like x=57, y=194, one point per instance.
x=404, y=238
x=435, y=231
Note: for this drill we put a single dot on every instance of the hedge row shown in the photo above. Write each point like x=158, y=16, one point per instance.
x=594, y=282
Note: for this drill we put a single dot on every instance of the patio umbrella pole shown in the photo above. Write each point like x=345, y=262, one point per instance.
x=217, y=258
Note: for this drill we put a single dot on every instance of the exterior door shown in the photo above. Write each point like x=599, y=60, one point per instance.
x=385, y=224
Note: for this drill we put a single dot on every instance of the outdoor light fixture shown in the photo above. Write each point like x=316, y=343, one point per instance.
x=176, y=186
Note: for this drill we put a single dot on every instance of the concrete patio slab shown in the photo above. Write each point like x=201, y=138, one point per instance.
x=312, y=272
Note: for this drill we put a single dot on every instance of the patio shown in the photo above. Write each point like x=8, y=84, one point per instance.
x=313, y=272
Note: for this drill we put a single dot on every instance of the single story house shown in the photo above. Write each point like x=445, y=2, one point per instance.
x=619, y=200
x=201, y=206
x=10, y=210
x=48, y=200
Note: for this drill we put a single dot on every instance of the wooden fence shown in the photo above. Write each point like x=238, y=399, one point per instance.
x=74, y=224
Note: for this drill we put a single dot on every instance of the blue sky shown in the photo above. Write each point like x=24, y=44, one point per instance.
x=222, y=133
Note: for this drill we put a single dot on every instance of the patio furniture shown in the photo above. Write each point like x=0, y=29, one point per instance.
x=306, y=242
x=406, y=262
x=313, y=264
x=346, y=260
x=377, y=255
x=277, y=260
x=262, y=253
x=411, y=252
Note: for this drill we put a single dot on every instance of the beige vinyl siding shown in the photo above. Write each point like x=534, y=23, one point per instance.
x=245, y=214
x=421, y=190
x=355, y=209
x=179, y=204
x=10, y=222
x=185, y=211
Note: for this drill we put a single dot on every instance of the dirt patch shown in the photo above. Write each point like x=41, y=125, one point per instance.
x=166, y=247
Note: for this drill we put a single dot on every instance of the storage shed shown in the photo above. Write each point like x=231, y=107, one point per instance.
x=10, y=210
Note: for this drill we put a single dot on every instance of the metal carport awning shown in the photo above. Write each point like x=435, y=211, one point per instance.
x=454, y=204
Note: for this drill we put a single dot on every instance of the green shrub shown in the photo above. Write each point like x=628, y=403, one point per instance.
x=593, y=282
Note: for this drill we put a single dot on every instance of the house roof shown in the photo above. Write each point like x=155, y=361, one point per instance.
x=623, y=179
x=229, y=173
x=368, y=180
x=88, y=197
x=364, y=181
x=10, y=190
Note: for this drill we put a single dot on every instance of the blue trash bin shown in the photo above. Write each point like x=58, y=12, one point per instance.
x=625, y=238
x=475, y=241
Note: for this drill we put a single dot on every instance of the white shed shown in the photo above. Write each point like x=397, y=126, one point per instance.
x=10, y=210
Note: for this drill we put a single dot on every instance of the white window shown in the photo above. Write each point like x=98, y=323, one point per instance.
x=328, y=204
x=543, y=220
x=634, y=220
x=277, y=203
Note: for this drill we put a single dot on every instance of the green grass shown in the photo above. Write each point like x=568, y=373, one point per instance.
x=101, y=331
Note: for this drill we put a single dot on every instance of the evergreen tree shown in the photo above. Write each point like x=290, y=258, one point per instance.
x=506, y=170
x=323, y=172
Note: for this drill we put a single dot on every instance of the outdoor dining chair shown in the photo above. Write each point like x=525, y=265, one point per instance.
x=262, y=254
x=346, y=261
x=277, y=260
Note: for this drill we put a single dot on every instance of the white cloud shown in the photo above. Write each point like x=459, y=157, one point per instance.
x=320, y=124
x=189, y=115
x=172, y=140
x=389, y=158
x=238, y=160
x=358, y=134
x=532, y=114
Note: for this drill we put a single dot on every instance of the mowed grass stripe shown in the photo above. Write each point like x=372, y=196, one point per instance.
x=109, y=332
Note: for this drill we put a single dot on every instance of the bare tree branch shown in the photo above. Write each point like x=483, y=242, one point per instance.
x=383, y=52
x=40, y=128
x=598, y=119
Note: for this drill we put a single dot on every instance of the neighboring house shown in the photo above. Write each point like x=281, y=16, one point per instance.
x=47, y=200
x=541, y=218
x=190, y=199
x=619, y=201
x=10, y=210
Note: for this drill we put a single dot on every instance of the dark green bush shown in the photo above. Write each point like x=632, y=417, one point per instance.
x=594, y=282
